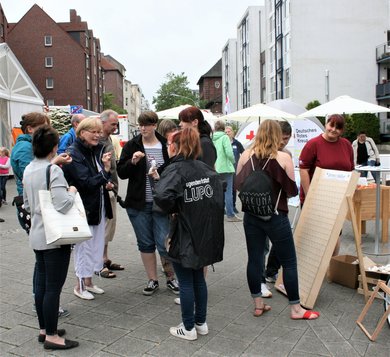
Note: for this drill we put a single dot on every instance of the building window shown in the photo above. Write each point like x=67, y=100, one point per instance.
x=87, y=61
x=49, y=83
x=48, y=41
x=1, y=30
x=48, y=61
x=50, y=102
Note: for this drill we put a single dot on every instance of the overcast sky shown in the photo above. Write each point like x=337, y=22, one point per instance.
x=151, y=37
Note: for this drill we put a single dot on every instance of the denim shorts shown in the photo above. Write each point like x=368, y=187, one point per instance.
x=151, y=229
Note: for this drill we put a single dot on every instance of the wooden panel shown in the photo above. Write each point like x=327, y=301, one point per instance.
x=318, y=228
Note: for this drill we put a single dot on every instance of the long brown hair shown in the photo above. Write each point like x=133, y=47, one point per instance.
x=267, y=139
x=187, y=142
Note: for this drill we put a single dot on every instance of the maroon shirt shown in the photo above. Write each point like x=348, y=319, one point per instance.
x=319, y=152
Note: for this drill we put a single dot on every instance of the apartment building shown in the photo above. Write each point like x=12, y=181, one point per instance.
x=210, y=88
x=65, y=66
x=250, y=40
x=310, y=49
x=3, y=26
x=229, y=75
x=114, y=74
x=383, y=84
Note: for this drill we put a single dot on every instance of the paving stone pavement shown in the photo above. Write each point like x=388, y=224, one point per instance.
x=123, y=322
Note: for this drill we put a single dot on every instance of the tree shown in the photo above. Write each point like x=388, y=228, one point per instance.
x=108, y=99
x=369, y=123
x=315, y=103
x=174, y=92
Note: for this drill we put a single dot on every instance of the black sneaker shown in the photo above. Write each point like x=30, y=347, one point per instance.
x=151, y=287
x=173, y=286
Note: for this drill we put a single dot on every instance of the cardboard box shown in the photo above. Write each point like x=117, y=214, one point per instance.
x=342, y=271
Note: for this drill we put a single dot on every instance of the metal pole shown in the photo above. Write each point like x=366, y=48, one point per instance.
x=327, y=85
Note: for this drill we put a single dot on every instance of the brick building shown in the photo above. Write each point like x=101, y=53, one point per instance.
x=3, y=26
x=114, y=74
x=62, y=59
x=210, y=88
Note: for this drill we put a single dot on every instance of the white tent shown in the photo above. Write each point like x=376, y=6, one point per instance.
x=18, y=94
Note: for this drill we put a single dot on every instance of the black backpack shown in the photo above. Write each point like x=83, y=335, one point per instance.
x=257, y=195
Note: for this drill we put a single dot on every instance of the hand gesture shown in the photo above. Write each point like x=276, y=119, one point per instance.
x=138, y=155
x=72, y=189
x=106, y=159
x=62, y=159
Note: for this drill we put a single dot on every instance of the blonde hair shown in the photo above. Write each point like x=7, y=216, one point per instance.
x=267, y=139
x=91, y=123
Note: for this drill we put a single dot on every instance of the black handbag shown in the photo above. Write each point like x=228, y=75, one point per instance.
x=23, y=216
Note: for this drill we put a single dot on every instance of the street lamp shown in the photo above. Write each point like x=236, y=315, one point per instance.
x=182, y=96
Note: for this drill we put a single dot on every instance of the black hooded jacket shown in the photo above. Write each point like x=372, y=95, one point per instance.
x=195, y=192
x=83, y=173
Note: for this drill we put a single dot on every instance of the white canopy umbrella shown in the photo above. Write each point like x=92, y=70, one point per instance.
x=257, y=112
x=344, y=105
x=173, y=113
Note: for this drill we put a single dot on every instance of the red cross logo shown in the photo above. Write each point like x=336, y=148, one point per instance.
x=251, y=135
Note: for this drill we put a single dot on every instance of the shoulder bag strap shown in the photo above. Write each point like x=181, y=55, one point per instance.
x=48, y=177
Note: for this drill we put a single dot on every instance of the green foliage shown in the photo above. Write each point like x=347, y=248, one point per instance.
x=60, y=120
x=314, y=103
x=108, y=99
x=369, y=123
x=174, y=84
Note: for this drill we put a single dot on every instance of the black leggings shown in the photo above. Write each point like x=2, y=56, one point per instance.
x=50, y=274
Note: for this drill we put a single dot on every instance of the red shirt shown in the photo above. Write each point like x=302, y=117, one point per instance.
x=318, y=152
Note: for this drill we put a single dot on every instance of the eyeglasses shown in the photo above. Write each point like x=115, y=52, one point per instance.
x=94, y=132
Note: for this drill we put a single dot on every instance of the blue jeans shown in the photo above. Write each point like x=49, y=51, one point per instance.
x=51, y=269
x=278, y=230
x=228, y=178
x=365, y=173
x=3, y=192
x=193, y=293
x=151, y=229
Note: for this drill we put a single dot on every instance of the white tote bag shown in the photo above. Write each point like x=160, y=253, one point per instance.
x=60, y=229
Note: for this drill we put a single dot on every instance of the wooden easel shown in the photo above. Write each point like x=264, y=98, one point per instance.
x=380, y=286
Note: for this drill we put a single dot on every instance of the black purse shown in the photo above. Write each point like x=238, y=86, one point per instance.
x=24, y=217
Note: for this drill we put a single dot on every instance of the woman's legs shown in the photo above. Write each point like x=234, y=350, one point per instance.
x=193, y=293
x=52, y=268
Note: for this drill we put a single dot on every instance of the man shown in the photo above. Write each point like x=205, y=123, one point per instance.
x=68, y=138
x=225, y=166
x=110, y=123
x=273, y=264
x=365, y=153
x=238, y=149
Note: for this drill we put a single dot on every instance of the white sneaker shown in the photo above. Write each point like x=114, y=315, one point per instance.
x=181, y=332
x=202, y=329
x=94, y=289
x=83, y=294
x=265, y=293
x=177, y=301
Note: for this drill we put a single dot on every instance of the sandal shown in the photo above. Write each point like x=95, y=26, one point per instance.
x=261, y=310
x=106, y=273
x=308, y=315
x=113, y=266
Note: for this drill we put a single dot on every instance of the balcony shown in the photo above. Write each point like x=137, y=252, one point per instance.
x=383, y=91
x=383, y=53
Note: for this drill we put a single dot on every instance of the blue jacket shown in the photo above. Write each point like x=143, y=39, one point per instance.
x=21, y=156
x=66, y=141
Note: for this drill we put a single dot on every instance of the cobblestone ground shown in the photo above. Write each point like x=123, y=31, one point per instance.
x=123, y=322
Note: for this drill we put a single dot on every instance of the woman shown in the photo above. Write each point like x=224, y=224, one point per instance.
x=365, y=153
x=279, y=167
x=327, y=151
x=22, y=153
x=5, y=164
x=52, y=261
x=143, y=154
x=193, y=117
x=166, y=127
x=89, y=171
x=192, y=191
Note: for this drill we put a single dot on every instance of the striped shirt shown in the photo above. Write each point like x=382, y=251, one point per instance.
x=152, y=152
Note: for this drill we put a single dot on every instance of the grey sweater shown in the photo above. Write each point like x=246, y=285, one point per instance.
x=34, y=179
